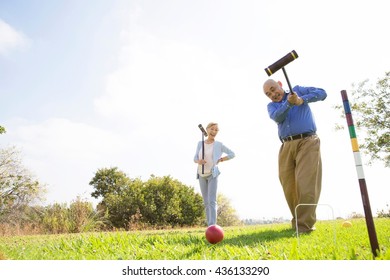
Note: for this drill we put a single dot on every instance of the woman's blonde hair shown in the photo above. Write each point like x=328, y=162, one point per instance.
x=211, y=124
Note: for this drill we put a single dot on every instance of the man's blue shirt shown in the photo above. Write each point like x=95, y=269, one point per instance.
x=293, y=120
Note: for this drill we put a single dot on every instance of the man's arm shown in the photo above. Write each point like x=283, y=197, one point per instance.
x=310, y=94
x=278, y=111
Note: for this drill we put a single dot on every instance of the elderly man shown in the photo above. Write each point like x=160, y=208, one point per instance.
x=300, y=167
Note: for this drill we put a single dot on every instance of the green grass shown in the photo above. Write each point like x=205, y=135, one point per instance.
x=330, y=241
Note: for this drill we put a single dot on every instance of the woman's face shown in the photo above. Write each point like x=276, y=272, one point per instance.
x=213, y=130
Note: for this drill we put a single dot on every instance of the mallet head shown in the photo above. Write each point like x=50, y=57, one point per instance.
x=281, y=63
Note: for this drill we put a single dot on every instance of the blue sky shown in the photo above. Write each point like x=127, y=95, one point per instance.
x=58, y=59
x=93, y=84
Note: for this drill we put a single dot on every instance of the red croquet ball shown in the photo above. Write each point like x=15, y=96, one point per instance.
x=214, y=234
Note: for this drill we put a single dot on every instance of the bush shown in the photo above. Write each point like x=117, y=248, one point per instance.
x=384, y=213
x=167, y=202
x=78, y=217
x=158, y=202
x=56, y=218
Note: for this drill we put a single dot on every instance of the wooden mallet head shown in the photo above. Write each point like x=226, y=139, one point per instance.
x=281, y=63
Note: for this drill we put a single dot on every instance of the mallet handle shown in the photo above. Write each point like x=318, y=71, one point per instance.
x=288, y=81
x=204, y=133
x=202, y=152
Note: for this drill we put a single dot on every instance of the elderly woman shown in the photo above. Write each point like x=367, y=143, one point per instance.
x=208, y=172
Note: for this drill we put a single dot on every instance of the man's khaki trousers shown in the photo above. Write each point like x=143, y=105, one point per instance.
x=300, y=173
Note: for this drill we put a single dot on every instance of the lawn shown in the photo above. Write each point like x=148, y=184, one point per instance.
x=331, y=241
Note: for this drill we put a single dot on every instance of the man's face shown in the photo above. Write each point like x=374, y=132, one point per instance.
x=273, y=90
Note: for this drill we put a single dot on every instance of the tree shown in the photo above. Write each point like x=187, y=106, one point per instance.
x=123, y=207
x=227, y=215
x=2, y=130
x=18, y=187
x=108, y=181
x=371, y=112
x=117, y=193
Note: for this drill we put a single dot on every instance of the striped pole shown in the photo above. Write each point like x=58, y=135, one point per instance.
x=360, y=174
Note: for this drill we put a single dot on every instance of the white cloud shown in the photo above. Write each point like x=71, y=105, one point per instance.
x=162, y=76
x=65, y=154
x=11, y=39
